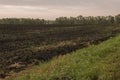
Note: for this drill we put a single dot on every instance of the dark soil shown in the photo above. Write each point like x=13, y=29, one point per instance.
x=21, y=46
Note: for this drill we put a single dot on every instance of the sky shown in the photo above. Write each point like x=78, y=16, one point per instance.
x=51, y=9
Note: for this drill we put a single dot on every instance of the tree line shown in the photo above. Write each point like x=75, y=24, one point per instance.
x=79, y=20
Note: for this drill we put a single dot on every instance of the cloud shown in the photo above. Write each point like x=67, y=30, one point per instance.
x=50, y=9
x=58, y=2
x=99, y=4
x=39, y=2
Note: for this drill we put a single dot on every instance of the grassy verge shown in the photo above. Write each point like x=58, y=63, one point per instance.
x=97, y=62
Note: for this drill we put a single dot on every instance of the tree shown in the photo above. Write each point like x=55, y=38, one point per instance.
x=117, y=19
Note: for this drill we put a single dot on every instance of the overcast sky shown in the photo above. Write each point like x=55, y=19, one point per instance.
x=50, y=9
